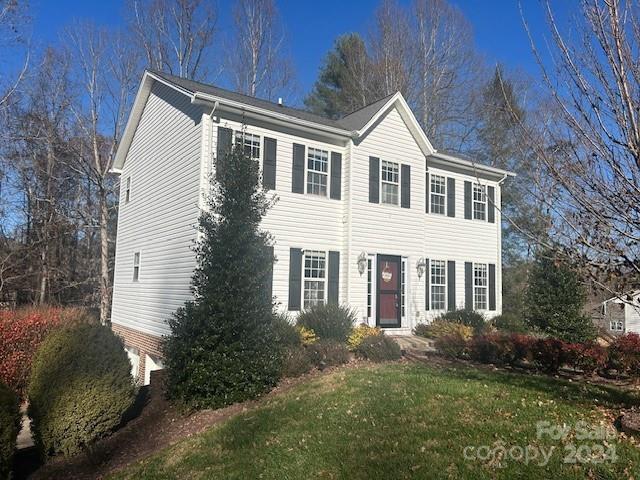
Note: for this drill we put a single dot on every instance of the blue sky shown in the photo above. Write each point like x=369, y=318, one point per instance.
x=312, y=26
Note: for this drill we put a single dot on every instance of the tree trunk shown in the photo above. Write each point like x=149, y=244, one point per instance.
x=104, y=259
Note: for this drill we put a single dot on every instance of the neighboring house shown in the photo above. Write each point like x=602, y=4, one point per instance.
x=369, y=213
x=618, y=316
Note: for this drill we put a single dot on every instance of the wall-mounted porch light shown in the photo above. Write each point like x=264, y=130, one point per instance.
x=362, y=263
x=421, y=266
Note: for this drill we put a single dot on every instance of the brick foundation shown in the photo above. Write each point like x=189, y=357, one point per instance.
x=145, y=343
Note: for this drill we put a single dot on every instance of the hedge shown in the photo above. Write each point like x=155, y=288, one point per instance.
x=329, y=321
x=80, y=387
x=9, y=428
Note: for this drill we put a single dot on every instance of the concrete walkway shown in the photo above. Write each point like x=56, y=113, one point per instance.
x=410, y=344
x=24, y=437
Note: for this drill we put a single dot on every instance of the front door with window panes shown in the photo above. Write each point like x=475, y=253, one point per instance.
x=389, y=286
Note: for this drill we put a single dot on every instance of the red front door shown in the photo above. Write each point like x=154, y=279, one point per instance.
x=388, y=282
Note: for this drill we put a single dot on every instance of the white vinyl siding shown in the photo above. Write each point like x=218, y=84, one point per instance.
x=438, y=284
x=438, y=194
x=390, y=183
x=317, y=171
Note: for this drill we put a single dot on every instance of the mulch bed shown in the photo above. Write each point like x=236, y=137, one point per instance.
x=158, y=425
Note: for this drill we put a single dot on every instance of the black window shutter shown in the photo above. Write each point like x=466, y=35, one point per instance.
x=297, y=179
x=269, y=164
x=428, y=190
x=223, y=147
x=405, y=186
x=269, y=279
x=374, y=180
x=334, y=278
x=492, y=286
x=467, y=200
x=336, y=175
x=427, y=287
x=451, y=285
x=491, y=198
x=451, y=197
x=295, y=280
x=468, y=286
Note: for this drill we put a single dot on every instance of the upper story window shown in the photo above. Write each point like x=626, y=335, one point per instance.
x=250, y=144
x=438, y=284
x=136, y=266
x=127, y=192
x=317, y=171
x=480, y=286
x=390, y=182
x=438, y=194
x=315, y=273
x=479, y=202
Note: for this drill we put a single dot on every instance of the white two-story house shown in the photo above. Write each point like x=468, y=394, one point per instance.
x=369, y=213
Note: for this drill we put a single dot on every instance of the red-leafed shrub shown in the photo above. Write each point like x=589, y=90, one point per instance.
x=453, y=346
x=492, y=348
x=588, y=357
x=550, y=354
x=21, y=333
x=522, y=346
x=624, y=354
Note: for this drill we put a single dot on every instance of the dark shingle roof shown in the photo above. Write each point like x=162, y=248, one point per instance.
x=353, y=121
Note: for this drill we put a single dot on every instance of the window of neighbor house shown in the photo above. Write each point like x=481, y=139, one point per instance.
x=480, y=286
x=616, y=326
x=479, y=202
x=390, y=182
x=250, y=144
x=136, y=266
x=317, y=171
x=438, y=284
x=314, y=278
x=438, y=194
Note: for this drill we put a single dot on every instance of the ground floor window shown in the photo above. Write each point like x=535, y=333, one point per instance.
x=616, y=325
x=438, y=284
x=315, y=273
x=369, y=286
x=480, y=286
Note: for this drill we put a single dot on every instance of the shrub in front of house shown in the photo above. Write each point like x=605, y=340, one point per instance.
x=21, y=333
x=327, y=353
x=329, y=321
x=550, y=354
x=296, y=361
x=509, y=323
x=79, y=389
x=470, y=318
x=522, y=347
x=442, y=328
x=452, y=346
x=361, y=332
x=286, y=333
x=421, y=330
x=378, y=348
x=9, y=428
x=624, y=354
x=307, y=336
x=589, y=357
x=492, y=348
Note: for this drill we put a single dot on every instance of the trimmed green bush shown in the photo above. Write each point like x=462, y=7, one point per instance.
x=470, y=318
x=331, y=321
x=509, y=323
x=441, y=328
x=80, y=387
x=378, y=348
x=327, y=353
x=9, y=429
x=296, y=362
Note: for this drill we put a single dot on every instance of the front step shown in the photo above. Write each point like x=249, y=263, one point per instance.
x=410, y=344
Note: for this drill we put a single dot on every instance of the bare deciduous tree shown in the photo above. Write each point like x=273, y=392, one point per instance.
x=13, y=19
x=258, y=63
x=176, y=36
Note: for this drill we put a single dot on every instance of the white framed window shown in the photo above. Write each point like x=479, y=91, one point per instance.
x=127, y=191
x=369, y=286
x=480, y=286
x=616, y=325
x=403, y=287
x=315, y=274
x=479, y=202
x=438, y=194
x=136, y=266
x=390, y=183
x=317, y=171
x=438, y=285
x=250, y=144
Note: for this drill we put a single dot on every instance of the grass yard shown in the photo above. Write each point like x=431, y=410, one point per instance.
x=406, y=420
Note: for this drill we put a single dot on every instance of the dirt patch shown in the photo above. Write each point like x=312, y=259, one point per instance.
x=158, y=426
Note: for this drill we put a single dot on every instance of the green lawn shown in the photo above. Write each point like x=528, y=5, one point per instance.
x=404, y=421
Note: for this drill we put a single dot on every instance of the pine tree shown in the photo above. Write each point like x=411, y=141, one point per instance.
x=555, y=299
x=222, y=348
